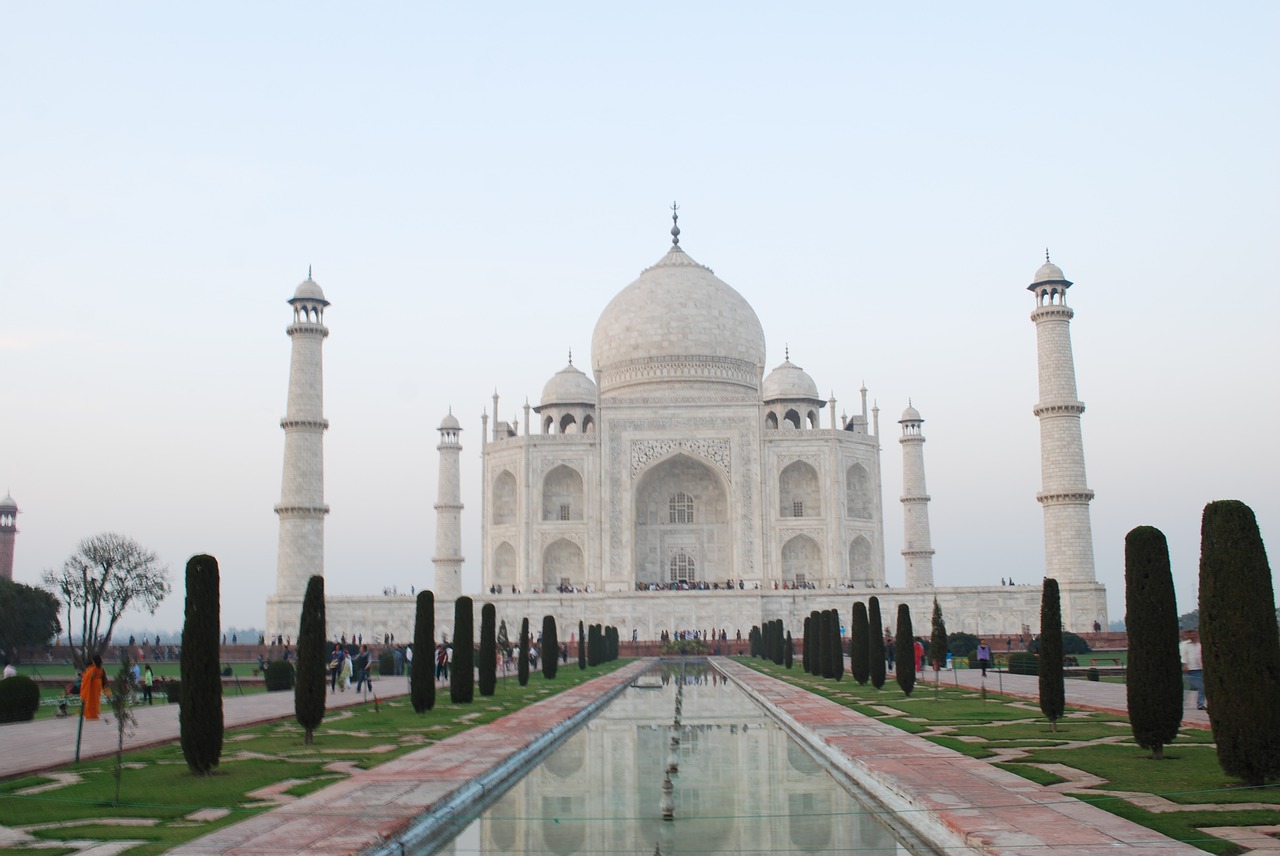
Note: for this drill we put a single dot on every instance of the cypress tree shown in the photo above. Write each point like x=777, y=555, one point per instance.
x=1053, y=693
x=313, y=655
x=200, y=693
x=522, y=668
x=860, y=644
x=1239, y=642
x=488, y=665
x=837, y=646
x=422, y=671
x=582, y=647
x=824, y=645
x=938, y=638
x=789, y=656
x=815, y=640
x=904, y=650
x=779, y=642
x=593, y=645
x=875, y=640
x=612, y=638
x=1153, y=678
x=550, y=647
x=462, y=678
x=805, y=661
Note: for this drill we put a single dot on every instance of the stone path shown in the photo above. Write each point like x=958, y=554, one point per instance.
x=957, y=798
x=46, y=744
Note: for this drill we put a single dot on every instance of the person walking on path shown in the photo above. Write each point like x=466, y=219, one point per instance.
x=147, y=680
x=919, y=650
x=91, y=684
x=984, y=656
x=1193, y=664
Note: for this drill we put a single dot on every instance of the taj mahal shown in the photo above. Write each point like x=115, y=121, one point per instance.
x=679, y=485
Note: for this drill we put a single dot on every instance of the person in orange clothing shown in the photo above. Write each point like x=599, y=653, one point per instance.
x=91, y=684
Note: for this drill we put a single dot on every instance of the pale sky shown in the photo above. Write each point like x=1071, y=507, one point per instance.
x=473, y=184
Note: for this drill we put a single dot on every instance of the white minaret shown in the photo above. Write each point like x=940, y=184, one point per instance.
x=448, y=557
x=1068, y=537
x=917, y=549
x=301, y=510
x=8, y=534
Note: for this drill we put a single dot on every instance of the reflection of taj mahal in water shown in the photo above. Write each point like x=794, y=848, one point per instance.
x=743, y=785
x=681, y=464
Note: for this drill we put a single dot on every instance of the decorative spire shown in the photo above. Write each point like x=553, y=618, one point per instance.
x=571, y=356
x=786, y=352
x=1046, y=255
x=308, y=271
x=675, y=225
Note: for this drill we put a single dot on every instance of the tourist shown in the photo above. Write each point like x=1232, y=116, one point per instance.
x=344, y=671
x=919, y=650
x=1193, y=664
x=9, y=670
x=363, y=662
x=92, y=683
x=147, y=680
x=335, y=663
x=889, y=653
x=984, y=657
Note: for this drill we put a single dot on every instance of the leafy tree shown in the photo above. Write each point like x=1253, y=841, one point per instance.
x=422, y=674
x=308, y=688
x=125, y=720
x=200, y=693
x=1154, y=677
x=1053, y=693
x=462, y=677
x=1240, y=644
x=875, y=639
x=1072, y=644
x=582, y=646
x=522, y=667
x=962, y=645
x=19, y=699
x=905, y=650
x=859, y=644
x=488, y=649
x=504, y=642
x=550, y=647
x=105, y=576
x=28, y=617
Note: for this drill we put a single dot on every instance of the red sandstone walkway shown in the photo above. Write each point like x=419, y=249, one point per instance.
x=957, y=798
x=45, y=744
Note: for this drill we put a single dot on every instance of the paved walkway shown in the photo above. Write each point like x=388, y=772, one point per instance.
x=44, y=744
x=1090, y=695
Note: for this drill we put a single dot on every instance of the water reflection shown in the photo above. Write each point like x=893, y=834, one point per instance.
x=743, y=786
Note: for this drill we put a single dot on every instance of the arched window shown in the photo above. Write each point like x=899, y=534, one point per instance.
x=682, y=567
x=680, y=508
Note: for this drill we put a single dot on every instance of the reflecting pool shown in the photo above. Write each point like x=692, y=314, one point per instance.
x=742, y=784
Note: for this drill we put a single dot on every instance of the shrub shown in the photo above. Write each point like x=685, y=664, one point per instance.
x=462, y=677
x=313, y=655
x=1053, y=692
x=550, y=647
x=789, y=653
x=1238, y=639
x=19, y=699
x=278, y=676
x=875, y=640
x=582, y=646
x=905, y=651
x=676, y=647
x=522, y=667
x=422, y=671
x=1153, y=682
x=859, y=644
x=200, y=712
x=1020, y=663
x=961, y=645
x=387, y=663
x=488, y=664
x=1093, y=675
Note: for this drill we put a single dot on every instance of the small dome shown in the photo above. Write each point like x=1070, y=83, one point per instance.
x=8, y=502
x=569, y=386
x=309, y=290
x=789, y=381
x=1049, y=272
x=911, y=415
x=450, y=423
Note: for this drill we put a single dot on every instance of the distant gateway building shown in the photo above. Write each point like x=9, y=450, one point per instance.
x=680, y=487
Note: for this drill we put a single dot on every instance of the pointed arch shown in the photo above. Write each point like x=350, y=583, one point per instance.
x=801, y=560
x=504, y=565
x=860, y=567
x=857, y=492
x=562, y=562
x=799, y=491
x=562, y=494
x=504, y=499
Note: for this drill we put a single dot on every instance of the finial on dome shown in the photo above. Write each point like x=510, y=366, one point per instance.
x=1046, y=256
x=675, y=225
x=786, y=352
x=571, y=356
x=308, y=271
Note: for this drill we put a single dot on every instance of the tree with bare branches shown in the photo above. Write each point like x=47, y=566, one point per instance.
x=106, y=575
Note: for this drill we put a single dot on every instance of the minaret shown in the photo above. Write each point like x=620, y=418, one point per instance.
x=8, y=534
x=917, y=549
x=1068, y=537
x=301, y=510
x=448, y=557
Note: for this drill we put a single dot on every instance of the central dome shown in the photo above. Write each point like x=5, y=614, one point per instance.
x=678, y=323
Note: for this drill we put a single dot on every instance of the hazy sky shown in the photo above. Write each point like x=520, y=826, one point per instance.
x=472, y=186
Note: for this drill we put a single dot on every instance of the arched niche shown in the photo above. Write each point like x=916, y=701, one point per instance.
x=703, y=534
x=860, y=567
x=562, y=561
x=562, y=497
x=504, y=565
x=504, y=499
x=801, y=560
x=799, y=491
x=857, y=492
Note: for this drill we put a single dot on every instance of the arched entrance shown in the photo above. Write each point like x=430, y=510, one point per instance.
x=681, y=522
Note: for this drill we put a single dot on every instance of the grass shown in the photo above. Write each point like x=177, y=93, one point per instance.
x=1189, y=776
x=158, y=786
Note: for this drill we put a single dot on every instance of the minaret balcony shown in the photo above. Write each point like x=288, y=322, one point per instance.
x=1066, y=497
x=1063, y=408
